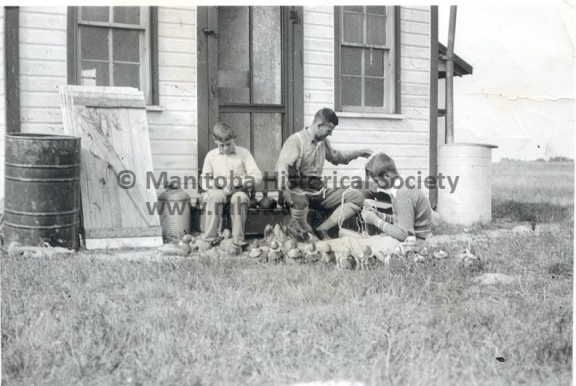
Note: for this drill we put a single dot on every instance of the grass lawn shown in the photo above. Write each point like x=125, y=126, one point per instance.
x=95, y=321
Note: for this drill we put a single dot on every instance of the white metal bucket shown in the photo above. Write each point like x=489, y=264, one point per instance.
x=471, y=200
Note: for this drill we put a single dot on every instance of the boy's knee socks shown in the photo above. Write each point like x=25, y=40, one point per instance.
x=301, y=217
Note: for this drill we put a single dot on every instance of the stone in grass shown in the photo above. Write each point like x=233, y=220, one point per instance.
x=171, y=250
x=521, y=229
x=532, y=229
x=493, y=278
x=44, y=251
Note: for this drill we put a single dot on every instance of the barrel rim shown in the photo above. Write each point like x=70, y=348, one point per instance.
x=37, y=136
x=471, y=144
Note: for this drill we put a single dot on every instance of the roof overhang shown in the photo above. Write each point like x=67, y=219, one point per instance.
x=461, y=67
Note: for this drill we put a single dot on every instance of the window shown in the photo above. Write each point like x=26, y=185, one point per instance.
x=365, y=59
x=113, y=48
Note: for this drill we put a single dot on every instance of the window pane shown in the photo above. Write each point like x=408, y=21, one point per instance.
x=126, y=75
x=95, y=74
x=233, y=52
x=267, y=140
x=353, y=28
x=373, y=62
x=240, y=123
x=267, y=55
x=127, y=15
x=351, y=91
x=94, y=43
x=374, y=89
x=351, y=61
x=227, y=95
x=354, y=9
x=376, y=26
x=126, y=45
x=95, y=14
x=377, y=10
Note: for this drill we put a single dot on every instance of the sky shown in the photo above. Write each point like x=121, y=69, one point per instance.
x=521, y=95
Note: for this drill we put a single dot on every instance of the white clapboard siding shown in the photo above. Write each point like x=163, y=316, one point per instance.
x=34, y=18
x=175, y=30
x=319, y=45
x=39, y=115
x=180, y=133
x=42, y=68
x=182, y=88
x=30, y=84
x=181, y=59
x=2, y=109
x=173, y=136
x=45, y=52
x=318, y=62
x=405, y=139
x=43, y=56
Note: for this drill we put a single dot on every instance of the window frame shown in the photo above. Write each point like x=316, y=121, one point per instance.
x=148, y=48
x=391, y=94
x=293, y=76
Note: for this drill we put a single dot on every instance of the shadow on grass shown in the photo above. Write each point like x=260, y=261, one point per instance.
x=528, y=211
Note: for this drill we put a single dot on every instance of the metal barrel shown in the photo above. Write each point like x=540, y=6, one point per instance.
x=42, y=190
x=174, y=209
x=469, y=199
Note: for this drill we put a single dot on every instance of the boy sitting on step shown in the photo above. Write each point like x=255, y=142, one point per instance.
x=229, y=173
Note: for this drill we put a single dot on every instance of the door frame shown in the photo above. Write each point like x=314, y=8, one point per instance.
x=207, y=82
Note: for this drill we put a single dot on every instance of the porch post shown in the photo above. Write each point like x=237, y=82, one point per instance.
x=450, y=77
x=12, y=68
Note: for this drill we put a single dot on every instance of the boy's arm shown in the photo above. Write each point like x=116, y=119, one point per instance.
x=338, y=157
x=386, y=217
x=404, y=227
x=207, y=174
x=382, y=216
x=252, y=170
x=288, y=157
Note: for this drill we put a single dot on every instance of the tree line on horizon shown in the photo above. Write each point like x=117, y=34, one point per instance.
x=551, y=159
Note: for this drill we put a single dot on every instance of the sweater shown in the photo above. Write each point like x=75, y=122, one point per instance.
x=412, y=215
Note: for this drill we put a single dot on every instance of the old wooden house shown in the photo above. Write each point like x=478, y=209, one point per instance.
x=265, y=70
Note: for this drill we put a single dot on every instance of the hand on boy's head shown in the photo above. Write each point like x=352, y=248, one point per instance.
x=365, y=153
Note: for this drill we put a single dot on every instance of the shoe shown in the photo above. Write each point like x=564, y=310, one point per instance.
x=241, y=243
x=322, y=235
